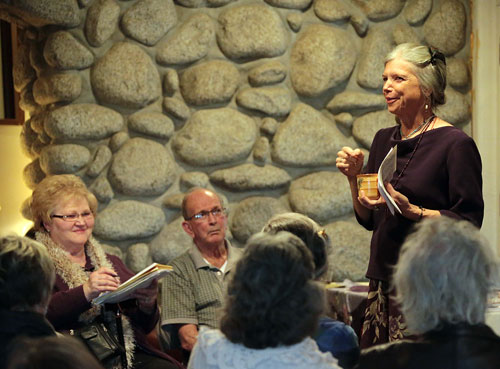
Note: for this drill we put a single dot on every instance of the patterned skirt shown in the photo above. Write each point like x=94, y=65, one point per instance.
x=383, y=321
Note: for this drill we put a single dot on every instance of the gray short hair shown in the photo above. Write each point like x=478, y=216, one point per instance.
x=444, y=274
x=430, y=71
x=26, y=273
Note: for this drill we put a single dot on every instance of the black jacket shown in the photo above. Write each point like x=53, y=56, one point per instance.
x=460, y=346
x=15, y=324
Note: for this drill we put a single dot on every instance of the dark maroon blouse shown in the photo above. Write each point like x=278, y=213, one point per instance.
x=444, y=174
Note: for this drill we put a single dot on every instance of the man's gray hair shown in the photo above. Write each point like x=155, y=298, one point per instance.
x=444, y=274
x=185, y=215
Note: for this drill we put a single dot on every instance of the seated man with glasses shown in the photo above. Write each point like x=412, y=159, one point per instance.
x=193, y=292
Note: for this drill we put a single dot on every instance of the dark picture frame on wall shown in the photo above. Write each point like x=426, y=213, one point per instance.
x=11, y=113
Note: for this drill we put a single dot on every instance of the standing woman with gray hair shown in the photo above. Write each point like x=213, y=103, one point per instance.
x=438, y=172
x=443, y=277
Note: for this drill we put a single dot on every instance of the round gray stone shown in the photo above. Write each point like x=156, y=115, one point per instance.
x=311, y=66
x=202, y=3
x=171, y=242
x=148, y=20
x=261, y=150
x=39, y=13
x=417, y=10
x=33, y=174
x=27, y=102
x=212, y=82
x=63, y=51
x=403, y=33
x=27, y=139
x=113, y=250
x=62, y=159
x=269, y=126
x=142, y=168
x=215, y=136
x=252, y=213
x=151, y=123
x=102, y=190
x=365, y=127
x=171, y=81
x=331, y=10
x=176, y=108
x=344, y=119
x=125, y=76
x=273, y=101
x=22, y=71
x=194, y=179
x=249, y=177
x=321, y=196
x=306, y=139
x=117, y=141
x=290, y=4
x=60, y=87
x=138, y=257
x=250, y=32
x=129, y=219
x=102, y=158
x=102, y=21
x=173, y=201
x=295, y=21
x=83, y=122
x=350, y=250
x=456, y=110
x=457, y=73
x=445, y=28
x=376, y=46
x=350, y=101
x=266, y=74
x=190, y=42
x=380, y=10
x=360, y=24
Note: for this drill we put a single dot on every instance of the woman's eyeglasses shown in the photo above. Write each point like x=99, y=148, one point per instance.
x=74, y=217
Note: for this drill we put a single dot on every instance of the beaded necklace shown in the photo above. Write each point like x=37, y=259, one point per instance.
x=404, y=137
x=427, y=123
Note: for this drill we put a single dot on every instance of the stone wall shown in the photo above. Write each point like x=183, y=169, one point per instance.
x=146, y=98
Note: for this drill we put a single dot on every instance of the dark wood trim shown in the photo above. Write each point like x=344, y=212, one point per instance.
x=13, y=113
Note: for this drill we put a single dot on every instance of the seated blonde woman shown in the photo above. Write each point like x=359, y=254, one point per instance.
x=271, y=311
x=332, y=336
x=442, y=280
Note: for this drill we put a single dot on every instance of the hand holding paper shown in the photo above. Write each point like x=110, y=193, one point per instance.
x=385, y=173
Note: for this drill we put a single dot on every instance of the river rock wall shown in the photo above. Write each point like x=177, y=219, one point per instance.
x=145, y=99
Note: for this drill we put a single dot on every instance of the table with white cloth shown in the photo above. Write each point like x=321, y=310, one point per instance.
x=347, y=303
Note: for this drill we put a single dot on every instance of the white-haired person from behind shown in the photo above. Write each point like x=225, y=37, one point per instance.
x=331, y=336
x=443, y=277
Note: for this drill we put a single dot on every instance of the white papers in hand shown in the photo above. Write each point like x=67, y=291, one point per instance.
x=385, y=173
x=141, y=280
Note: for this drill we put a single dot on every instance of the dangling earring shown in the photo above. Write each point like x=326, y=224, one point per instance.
x=426, y=107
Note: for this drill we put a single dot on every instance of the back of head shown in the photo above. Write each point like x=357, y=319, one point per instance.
x=26, y=274
x=54, y=190
x=271, y=298
x=429, y=65
x=51, y=353
x=310, y=232
x=444, y=274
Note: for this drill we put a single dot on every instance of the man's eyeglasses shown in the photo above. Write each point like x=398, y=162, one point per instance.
x=202, y=215
x=74, y=217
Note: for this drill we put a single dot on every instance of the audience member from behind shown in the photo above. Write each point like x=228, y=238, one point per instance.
x=442, y=280
x=63, y=352
x=332, y=335
x=271, y=310
x=63, y=211
x=26, y=280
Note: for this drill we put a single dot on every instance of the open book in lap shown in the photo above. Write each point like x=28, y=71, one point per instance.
x=141, y=280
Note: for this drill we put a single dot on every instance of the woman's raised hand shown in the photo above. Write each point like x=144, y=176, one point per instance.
x=102, y=280
x=350, y=161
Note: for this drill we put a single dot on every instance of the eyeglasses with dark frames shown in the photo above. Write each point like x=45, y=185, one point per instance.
x=204, y=214
x=74, y=217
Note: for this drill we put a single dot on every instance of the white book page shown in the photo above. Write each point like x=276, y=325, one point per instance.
x=385, y=173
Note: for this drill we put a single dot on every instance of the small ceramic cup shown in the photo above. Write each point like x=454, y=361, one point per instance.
x=368, y=184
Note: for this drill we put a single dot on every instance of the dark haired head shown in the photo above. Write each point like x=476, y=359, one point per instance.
x=271, y=298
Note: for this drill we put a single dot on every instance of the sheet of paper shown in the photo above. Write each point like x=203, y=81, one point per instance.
x=141, y=280
x=385, y=173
